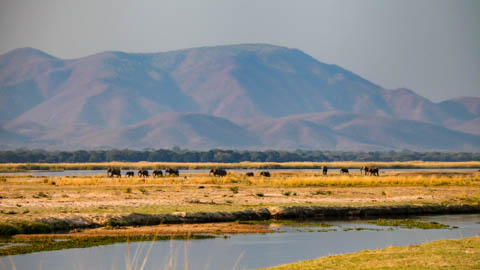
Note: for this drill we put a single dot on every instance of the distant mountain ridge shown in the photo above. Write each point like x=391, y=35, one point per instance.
x=238, y=96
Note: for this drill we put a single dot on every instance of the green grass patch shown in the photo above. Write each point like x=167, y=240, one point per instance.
x=51, y=243
x=409, y=224
x=31, y=227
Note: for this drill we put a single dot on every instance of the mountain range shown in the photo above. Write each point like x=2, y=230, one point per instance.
x=248, y=96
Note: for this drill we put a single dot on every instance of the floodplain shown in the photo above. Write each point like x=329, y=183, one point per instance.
x=29, y=203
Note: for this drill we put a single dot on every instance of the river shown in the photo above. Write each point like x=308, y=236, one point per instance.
x=247, y=251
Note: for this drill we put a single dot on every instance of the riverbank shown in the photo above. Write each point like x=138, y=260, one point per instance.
x=24, y=167
x=443, y=254
x=65, y=224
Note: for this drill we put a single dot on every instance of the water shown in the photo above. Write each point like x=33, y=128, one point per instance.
x=104, y=172
x=246, y=251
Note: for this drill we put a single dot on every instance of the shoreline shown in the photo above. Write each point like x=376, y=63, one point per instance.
x=318, y=213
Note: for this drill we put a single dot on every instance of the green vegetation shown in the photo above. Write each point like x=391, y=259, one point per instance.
x=321, y=192
x=36, y=244
x=24, y=160
x=445, y=254
x=31, y=227
x=409, y=224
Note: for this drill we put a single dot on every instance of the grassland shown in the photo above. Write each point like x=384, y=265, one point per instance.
x=444, y=254
x=28, y=198
x=19, y=167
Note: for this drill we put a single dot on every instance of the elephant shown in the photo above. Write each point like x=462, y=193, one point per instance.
x=218, y=172
x=113, y=171
x=324, y=170
x=157, y=173
x=170, y=171
x=265, y=173
x=143, y=173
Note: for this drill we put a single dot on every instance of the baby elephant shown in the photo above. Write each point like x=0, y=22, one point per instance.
x=130, y=174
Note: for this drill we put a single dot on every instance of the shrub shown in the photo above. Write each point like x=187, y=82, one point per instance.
x=259, y=194
x=287, y=193
x=33, y=227
x=40, y=195
x=234, y=189
x=8, y=229
x=321, y=192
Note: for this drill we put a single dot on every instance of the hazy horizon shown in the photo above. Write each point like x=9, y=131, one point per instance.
x=430, y=47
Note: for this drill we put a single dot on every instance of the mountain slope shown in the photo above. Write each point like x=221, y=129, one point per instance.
x=115, y=99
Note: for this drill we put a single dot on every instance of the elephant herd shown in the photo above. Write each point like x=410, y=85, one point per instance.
x=222, y=172
x=374, y=171
x=111, y=172
x=369, y=170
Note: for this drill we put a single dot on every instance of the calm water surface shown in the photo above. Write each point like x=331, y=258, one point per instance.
x=245, y=251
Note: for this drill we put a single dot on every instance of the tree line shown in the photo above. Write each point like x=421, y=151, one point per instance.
x=218, y=155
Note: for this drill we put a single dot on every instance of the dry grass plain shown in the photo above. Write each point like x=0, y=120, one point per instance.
x=27, y=197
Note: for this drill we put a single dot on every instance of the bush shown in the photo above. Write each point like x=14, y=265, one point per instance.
x=34, y=227
x=234, y=189
x=113, y=223
x=8, y=229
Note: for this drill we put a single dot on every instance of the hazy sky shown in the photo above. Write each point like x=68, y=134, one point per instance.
x=432, y=47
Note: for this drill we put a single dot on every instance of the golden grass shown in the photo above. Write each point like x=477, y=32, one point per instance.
x=278, y=179
x=443, y=254
x=8, y=167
